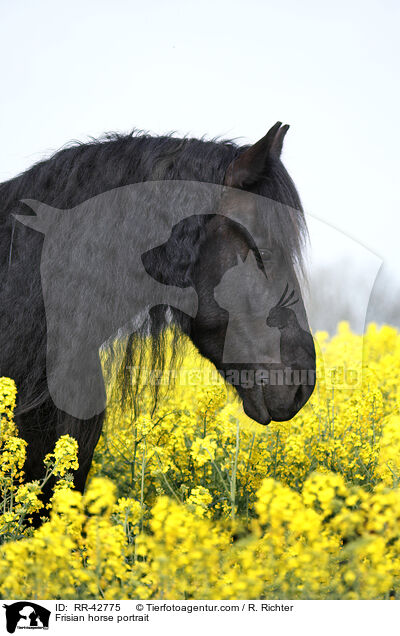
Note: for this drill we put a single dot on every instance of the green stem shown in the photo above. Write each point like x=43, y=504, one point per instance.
x=142, y=484
x=234, y=471
x=172, y=491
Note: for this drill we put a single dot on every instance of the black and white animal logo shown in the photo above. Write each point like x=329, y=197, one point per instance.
x=26, y=615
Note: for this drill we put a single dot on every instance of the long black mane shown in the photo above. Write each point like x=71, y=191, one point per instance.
x=77, y=173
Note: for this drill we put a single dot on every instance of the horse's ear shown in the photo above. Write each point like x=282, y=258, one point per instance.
x=251, y=165
x=45, y=215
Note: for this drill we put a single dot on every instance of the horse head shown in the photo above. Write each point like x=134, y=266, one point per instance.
x=260, y=214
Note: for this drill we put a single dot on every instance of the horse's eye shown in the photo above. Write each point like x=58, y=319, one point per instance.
x=266, y=254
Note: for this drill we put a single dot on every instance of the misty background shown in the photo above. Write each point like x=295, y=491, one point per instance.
x=231, y=69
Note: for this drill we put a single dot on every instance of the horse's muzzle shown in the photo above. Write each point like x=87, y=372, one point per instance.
x=278, y=403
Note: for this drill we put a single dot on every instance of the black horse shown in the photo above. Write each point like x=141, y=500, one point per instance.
x=199, y=251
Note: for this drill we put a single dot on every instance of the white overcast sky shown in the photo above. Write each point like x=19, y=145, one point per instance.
x=229, y=68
